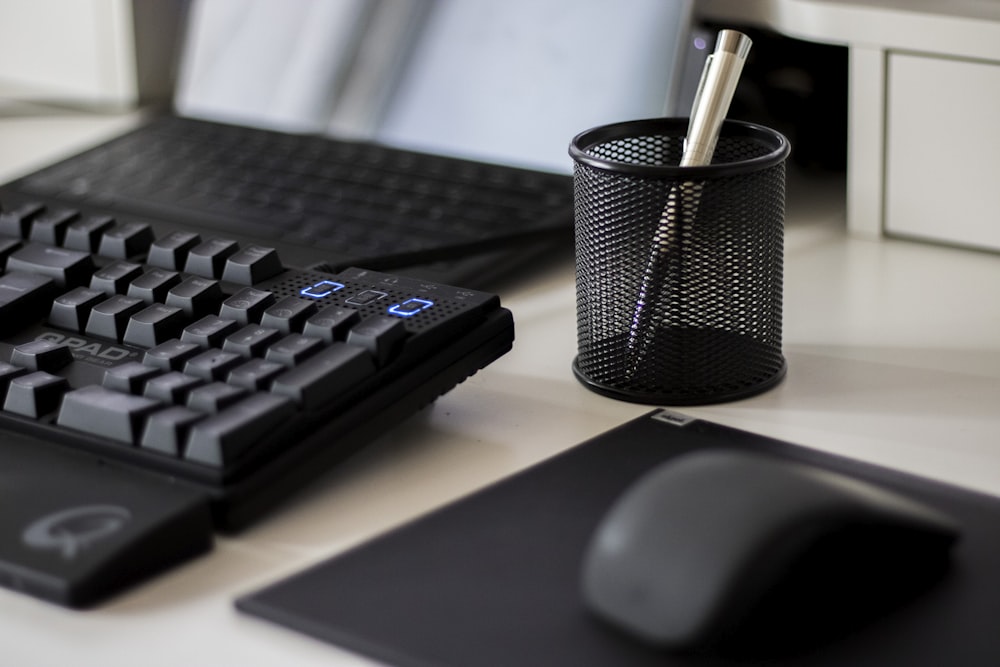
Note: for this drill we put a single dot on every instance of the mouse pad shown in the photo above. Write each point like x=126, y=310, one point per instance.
x=493, y=579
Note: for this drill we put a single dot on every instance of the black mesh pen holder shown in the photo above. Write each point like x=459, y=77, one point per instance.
x=678, y=269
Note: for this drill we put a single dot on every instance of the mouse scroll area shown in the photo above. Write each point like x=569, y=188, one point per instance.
x=729, y=549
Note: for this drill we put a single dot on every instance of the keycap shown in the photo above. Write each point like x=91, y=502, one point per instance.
x=153, y=285
x=196, y=296
x=247, y=306
x=293, y=349
x=35, y=394
x=328, y=375
x=17, y=221
x=207, y=259
x=153, y=325
x=251, y=341
x=212, y=364
x=288, y=315
x=171, y=387
x=50, y=227
x=380, y=335
x=9, y=371
x=126, y=240
x=331, y=323
x=105, y=413
x=171, y=251
x=41, y=355
x=171, y=354
x=110, y=318
x=209, y=331
x=68, y=268
x=166, y=430
x=24, y=297
x=7, y=248
x=85, y=233
x=129, y=377
x=225, y=436
x=72, y=310
x=251, y=265
x=255, y=375
x=115, y=277
x=214, y=396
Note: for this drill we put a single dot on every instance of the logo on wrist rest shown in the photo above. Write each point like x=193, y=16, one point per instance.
x=72, y=530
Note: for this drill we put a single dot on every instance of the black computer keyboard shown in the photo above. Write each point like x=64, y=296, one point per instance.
x=156, y=384
x=322, y=201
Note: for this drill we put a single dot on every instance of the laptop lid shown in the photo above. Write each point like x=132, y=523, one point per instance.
x=508, y=82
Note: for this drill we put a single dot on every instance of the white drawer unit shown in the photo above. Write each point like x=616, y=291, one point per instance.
x=942, y=179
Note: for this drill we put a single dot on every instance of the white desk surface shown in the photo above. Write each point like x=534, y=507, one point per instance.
x=894, y=357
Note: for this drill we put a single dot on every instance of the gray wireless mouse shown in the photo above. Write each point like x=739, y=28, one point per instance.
x=700, y=548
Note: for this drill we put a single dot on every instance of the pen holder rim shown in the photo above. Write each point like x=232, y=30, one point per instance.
x=604, y=134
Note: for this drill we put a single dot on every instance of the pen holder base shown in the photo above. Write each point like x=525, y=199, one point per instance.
x=678, y=270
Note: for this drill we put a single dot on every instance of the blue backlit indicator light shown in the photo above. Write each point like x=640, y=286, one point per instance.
x=321, y=289
x=410, y=307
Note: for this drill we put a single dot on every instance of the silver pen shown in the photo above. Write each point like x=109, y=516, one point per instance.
x=711, y=104
x=715, y=93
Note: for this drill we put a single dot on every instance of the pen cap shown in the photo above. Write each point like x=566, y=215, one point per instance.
x=678, y=269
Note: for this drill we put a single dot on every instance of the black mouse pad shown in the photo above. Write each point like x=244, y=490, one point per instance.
x=493, y=579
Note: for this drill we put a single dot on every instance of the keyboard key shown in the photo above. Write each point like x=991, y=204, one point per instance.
x=209, y=331
x=212, y=364
x=50, y=227
x=126, y=240
x=71, y=310
x=214, y=396
x=225, y=436
x=115, y=277
x=9, y=371
x=293, y=349
x=35, y=394
x=17, y=222
x=129, y=377
x=252, y=265
x=331, y=323
x=247, y=306
x=170, y=355
x=7, y=248
x=85, y=233
x=172, y=387
x=328, y=375
x=382, y=336
x=69, y=268
x=255, y=375
x=105, y=413
x=153, y=285
x=288, y=315
x=207, y=259
x=166, y=430
x=171, y=251
x=153, y=325
x=110, y=318
x=24, y=297
x=41, y=355
x=196, y=296
x=251, y=341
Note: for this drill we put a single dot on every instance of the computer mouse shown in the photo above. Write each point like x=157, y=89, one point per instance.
x=721, y=547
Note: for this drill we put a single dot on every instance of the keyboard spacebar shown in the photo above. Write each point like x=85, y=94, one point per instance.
x=223, y=437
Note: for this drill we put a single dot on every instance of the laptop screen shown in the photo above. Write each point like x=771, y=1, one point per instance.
x=509, y=82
